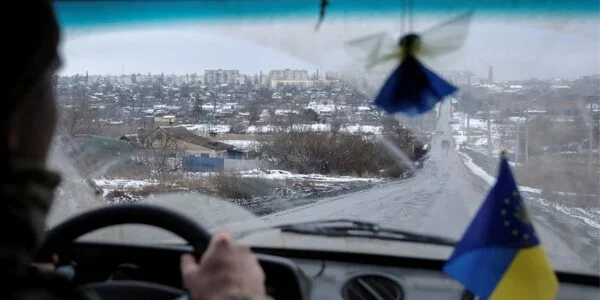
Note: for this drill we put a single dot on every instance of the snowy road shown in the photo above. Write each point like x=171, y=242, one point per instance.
x=440, y=200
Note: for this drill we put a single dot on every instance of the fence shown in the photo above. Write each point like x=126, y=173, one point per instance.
x=203, y=164
x=216, y=164
x=246, y=164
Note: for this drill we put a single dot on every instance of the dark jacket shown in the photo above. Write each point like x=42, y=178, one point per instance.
x=26, y=196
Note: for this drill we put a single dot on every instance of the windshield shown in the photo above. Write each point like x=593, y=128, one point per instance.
x=258, y=120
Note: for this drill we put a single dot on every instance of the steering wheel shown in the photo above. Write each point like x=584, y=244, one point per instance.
x=65, y=233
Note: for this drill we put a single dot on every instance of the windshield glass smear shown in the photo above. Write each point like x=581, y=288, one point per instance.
x=254, y=124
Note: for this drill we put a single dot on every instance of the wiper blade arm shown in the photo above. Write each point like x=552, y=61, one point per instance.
x=364, y=225
x=353, y=228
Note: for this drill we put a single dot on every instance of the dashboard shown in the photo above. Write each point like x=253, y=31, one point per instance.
x=350, y=281
x=293, y=274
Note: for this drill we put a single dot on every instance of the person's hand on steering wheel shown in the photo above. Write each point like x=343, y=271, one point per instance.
x=227, y=270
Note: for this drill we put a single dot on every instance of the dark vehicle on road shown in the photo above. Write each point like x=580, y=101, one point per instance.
x=445, y=146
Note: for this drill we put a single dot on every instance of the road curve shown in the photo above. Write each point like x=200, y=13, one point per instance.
x=441, y=199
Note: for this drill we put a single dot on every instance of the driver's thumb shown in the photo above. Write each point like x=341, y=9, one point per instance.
x=188, y=265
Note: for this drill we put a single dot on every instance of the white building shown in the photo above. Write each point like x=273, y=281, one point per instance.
x=288, y=74
x=214, y=77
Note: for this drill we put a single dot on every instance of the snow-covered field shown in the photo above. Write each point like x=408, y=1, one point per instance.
x=206, y=128
x=352, y=128
x=285, y=175
x=127, y=190
x=123, y=183
x=590, y=216
x=355, y=128
x=242, y=144
x=481, y=173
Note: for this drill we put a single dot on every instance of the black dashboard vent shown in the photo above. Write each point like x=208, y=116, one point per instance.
x=374, y=287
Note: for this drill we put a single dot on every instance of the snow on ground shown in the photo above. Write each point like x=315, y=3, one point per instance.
x=480, y=142
x=242, y=144
x=590, y=216
x=285, y=175
x=477, y=170
x=478, y=124
x=491, y=180
x=108, y=185
x=478, y=139
x=355, y=128
x=206, y=128
x=133, y=184
x=363, y=129
x=123, y=183
x=459, y=138
x=298, y=127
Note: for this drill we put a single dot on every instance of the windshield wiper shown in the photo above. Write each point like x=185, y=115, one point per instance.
x=354, y=228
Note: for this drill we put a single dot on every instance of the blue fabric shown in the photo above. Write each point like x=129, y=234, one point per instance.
x=501, y=228
x=493, y=263
x=501, y=214
x=412, y=89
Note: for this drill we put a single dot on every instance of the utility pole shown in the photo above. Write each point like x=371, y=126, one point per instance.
x=591, y=137
x=489, y=127
x=468, y=127
x=526, y=134
x=214, y=115
x=468, y=110
x=142, y=115
x=517, y=147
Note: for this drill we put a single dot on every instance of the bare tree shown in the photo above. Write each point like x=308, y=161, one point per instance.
x=338, y=120
x=236, y=125
x=159, y=153
x=76, y=115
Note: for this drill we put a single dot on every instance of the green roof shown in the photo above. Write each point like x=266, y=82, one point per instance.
x=97, y=142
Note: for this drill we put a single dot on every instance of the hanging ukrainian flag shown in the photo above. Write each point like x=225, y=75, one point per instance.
x=500, y=255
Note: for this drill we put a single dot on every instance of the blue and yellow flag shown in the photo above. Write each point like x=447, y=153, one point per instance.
x=500, y=255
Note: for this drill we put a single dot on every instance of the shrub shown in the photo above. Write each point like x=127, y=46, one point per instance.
x=337, y=153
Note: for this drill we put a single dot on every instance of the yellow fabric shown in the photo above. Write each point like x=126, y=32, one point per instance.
x=529, y=276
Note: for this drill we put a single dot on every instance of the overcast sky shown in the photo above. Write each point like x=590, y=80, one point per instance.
x=517, y=49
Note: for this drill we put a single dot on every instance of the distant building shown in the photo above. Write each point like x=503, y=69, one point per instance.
x=161, y=120
x=263, y=78
x=214, y=77
x=457, y=77
x=100, y=145
x=297, y=83
x=185, y=143
x=332, y=75
x=288, y=74
x=320, y=75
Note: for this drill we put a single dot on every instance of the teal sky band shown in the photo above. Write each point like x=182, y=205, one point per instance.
x=113, y=12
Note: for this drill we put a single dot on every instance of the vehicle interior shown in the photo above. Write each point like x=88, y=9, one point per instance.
x=121, y=271
x=342, y=259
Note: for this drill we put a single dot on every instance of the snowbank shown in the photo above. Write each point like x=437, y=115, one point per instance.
x=123, y=183
x=285, y=175
x=206, y=128
x=588, y=216
x=242, y=144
